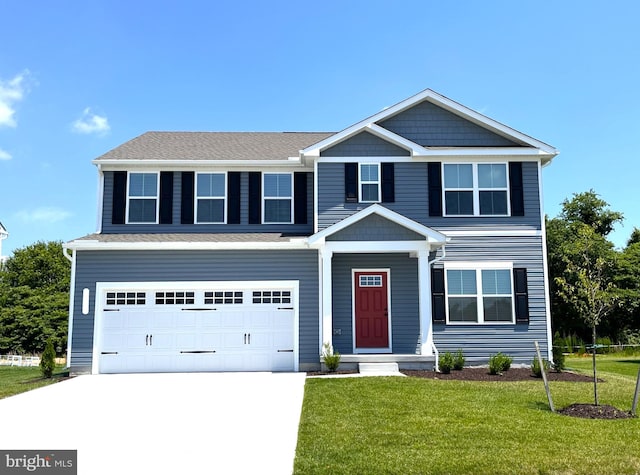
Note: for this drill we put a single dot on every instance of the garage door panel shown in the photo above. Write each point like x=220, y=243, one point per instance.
x=163, y=335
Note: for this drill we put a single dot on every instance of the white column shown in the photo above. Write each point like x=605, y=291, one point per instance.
x=326, y=329
x=424, y=302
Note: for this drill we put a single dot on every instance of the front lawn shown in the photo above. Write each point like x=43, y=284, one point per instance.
x=420, y=426
x=17, y=379
x=617, y=364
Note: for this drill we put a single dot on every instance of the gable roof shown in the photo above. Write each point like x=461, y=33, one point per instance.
x=3, y=230
x=372, y=124
x=219, y=146
x=429, y=234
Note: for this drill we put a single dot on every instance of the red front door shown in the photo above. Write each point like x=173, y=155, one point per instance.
x=371, y=309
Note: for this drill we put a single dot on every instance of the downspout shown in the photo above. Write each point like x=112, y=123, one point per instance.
x=436, y=366
x=72, y=291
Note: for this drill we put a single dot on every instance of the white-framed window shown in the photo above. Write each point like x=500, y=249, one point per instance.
x=142, y=198
x=481, y=294
x=476, y=189
x=211, y=195
x=370, y=281
x=369, y=183
x=277, y=196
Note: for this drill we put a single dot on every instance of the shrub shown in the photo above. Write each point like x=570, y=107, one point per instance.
x=48, y=359
x=558, y=354
x=458, y=360
x=535, y=367
x=499, y=363
x=445, y=362
x=330, y=357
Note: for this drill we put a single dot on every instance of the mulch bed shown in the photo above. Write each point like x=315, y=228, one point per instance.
x=482, y=374
x=590, y=411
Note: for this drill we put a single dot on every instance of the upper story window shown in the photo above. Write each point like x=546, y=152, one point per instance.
x=479, y=296
x=369, y=182
x=211, y=193
x=278, y=198
x=142, y=198
x=476, y=189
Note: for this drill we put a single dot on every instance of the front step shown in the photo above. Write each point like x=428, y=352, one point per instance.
x=379, y=369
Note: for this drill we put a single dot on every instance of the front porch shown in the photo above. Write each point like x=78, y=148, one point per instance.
x=351, y=362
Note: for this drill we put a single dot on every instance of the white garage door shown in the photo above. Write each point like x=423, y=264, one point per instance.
x=215, y=328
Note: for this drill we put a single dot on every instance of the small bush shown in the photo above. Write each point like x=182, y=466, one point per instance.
x=458, y=360
x=558, y=354
x=445, y=362
x=535, y=367
x=331, y=358
x=499, y=363
x=48, y=360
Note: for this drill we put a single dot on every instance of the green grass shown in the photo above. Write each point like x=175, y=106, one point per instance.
x=419, y=426
x=613, y=364
x=16, y=379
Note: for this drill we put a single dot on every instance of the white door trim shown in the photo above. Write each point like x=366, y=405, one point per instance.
x=353, y=311
x=102, y=287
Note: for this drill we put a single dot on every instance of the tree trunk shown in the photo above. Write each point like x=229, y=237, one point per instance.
x=595, y=375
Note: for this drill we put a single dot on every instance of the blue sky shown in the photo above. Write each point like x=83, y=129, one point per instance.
x=79, y=78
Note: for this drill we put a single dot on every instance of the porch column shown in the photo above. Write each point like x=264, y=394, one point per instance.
x=424, y=302
x=326, y=329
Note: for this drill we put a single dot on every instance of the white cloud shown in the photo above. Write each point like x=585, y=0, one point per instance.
x=91, y=123
x=11, y=92
x=44, y=214
x=4, y=155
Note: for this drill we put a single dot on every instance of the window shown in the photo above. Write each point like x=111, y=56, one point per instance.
x=272, y=296
x=278, y=197
x=370, y=281
x=369, y=182
x=210, y=197
x=224, y=297
x=126, y=298
x=175, y=298
x=143, y=198
x=476, y=189
x=479, y=295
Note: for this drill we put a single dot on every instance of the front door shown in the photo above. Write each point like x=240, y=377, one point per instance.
x=371, y=309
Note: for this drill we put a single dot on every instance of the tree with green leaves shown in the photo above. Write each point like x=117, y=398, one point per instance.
x=587, y=284
x=34, y=299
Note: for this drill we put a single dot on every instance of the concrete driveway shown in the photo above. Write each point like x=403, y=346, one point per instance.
x=192, y=423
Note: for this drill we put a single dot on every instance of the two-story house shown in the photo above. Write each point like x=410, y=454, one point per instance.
x=419, y=229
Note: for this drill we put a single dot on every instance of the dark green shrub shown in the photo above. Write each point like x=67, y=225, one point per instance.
x=445, y=362
x=458, y=360
x=558, y=354
x=499, y=363
x=535, y=367
x=48, y=360
x=331, y=358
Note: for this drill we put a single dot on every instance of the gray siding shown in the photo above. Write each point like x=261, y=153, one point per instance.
x=169, y=266
x=432, y=126
x=412, y=200
x=365, y=144
x=176, y=227
x=375, y=228
x=405, y=323
x=480, y=341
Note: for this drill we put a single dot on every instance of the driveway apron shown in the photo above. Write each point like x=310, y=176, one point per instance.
x=190, y=423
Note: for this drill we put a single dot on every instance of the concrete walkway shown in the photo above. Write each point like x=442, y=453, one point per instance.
x=187, y=423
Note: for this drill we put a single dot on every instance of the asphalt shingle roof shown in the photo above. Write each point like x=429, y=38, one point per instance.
x=215, y=146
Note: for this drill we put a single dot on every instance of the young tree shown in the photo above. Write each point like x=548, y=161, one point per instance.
x=587, y=283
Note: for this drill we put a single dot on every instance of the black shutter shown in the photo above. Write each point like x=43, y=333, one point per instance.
x=516, y=189
x=435, y=188
x=233, y=197
x=388, y=183
x=521, y=295
x=255, y=197
x=438, y=302
x=187, y=204
x=119, y=201
x=300, y=198
x=166, y=197
x=351, y=182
